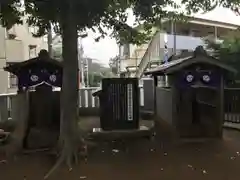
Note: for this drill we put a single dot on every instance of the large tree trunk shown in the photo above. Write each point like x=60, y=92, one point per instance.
x=69, y=136
x=69, y=94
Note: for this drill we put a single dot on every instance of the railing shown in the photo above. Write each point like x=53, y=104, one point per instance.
x=151, y=53
x=232, y=105
x=6, y=106
x=87, y=101
x=155, y=50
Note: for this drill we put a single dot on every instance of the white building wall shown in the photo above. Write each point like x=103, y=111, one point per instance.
x=16, y=50
x=24, y=33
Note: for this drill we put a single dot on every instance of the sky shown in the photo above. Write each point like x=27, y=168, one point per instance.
x=104, y=49
x=107, y=48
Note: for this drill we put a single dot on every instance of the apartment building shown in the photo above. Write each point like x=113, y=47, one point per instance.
x=130, y=56
x=16, y=45
x=174, y=37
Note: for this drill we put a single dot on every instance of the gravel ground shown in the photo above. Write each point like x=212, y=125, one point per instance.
x=139, y=159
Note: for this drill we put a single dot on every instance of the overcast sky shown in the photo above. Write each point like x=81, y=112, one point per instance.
x=107, y=47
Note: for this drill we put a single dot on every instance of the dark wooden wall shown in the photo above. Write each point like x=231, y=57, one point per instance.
x=164, y=104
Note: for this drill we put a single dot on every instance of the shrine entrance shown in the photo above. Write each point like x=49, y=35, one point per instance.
x=37, y=78
x=199, y=106
x=45, y=112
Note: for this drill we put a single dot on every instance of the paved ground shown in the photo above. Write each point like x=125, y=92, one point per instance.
x=141, y=159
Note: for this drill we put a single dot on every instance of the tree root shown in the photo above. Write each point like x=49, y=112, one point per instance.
x=65, y=157
x=69, y=155
x=56, y=166
x=35, y=150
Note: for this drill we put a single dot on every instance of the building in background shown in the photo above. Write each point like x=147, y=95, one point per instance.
x=129, y=57
x=114, y=64
x=173, y=38
x=16, y=45
x=84, y=68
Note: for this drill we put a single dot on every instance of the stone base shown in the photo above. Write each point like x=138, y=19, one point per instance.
x=143, y=131
x=147, y=115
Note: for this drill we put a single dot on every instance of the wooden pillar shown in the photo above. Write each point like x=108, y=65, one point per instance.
x=154, y=96
x=148, y=87
x=215, y=33
x=173, y=32
x=4, y=108
x=155, y=82
x=175, y=104
x=221, y=108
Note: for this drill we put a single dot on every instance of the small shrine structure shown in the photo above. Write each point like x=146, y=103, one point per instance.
x=37, y=79
x=193, y=103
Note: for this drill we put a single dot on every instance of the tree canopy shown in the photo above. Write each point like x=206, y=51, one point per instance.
x=91, y=14
x=104, y=14
x=227, y=50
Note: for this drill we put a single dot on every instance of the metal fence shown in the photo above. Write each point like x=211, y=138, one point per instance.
x=232, y=105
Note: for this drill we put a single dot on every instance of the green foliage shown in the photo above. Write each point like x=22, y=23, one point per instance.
x=113, y=64
x=10, y=13
x=94, y=79
x=57, y=53
x=228, y=51
x=230, y=45
x=98, y=15
x=193, y=6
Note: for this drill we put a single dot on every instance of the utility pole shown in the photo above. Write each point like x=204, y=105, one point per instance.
x=50, y=41
x=173, y=32
x=81, y=62
x=87, y=72
x=82, y=71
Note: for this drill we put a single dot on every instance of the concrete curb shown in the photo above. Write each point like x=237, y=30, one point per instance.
x=231, y=127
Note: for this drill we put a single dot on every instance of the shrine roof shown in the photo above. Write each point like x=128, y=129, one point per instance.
x=177, y=63
x=33, y=62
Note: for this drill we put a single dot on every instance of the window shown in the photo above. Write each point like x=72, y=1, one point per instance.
x=45, y=39
x=12, y=79
x=32, y=51
x=32, y=30
x=11, y=33
x=13, y=82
